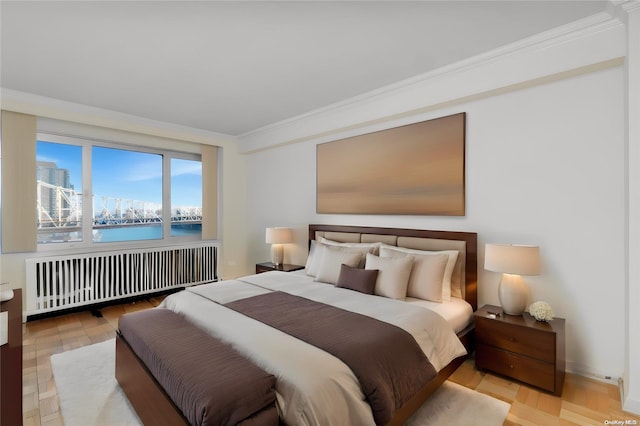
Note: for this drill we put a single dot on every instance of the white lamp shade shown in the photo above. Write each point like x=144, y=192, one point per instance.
x=279, y=236
x=512, y=259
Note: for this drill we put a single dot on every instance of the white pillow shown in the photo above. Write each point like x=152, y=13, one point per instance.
x=317, y=249
x=311, y=267
x=427, y=274
x=388, y=251
x=332, y=260
x=370, y=247
x=393, y=275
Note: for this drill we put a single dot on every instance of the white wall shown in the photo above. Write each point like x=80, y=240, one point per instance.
x=545, y=165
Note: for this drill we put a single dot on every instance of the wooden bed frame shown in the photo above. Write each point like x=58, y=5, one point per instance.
x=466, y=336
x=154, y=406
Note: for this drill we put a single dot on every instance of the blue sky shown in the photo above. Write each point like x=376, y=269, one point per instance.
x=128, y=174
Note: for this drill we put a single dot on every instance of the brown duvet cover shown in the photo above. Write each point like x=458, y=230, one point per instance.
x=386, y=359
x=207, y=379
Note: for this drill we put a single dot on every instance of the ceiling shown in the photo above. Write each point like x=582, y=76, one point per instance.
x=234, y=67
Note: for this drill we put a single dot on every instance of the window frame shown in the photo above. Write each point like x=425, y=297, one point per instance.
x=87, y=243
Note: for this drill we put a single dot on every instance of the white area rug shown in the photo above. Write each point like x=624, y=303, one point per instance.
x=453, y=404
x=89, y=395
x=88, y=391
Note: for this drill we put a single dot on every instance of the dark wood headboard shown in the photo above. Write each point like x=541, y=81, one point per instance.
x=470, y=238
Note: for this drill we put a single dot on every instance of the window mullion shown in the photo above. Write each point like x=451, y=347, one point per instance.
x=166, y=197
x=87, y=196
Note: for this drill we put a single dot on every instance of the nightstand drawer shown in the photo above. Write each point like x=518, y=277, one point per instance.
x=528, y=370
x=520, y=340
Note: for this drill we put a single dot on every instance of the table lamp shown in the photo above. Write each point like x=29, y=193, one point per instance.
x=513, y=261
x=277, y=237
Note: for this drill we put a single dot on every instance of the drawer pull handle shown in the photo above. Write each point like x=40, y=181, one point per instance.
x=511, y=366
x=513, y=339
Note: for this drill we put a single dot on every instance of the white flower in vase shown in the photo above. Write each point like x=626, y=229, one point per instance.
x=541, y=311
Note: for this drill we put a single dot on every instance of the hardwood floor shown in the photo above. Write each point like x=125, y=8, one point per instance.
x=43, y=338
x=583, y=401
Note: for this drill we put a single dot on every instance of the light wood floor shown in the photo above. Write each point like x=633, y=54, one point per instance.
x=583, y=402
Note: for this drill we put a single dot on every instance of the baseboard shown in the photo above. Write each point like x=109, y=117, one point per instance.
x=581, y=370
x=629, y=405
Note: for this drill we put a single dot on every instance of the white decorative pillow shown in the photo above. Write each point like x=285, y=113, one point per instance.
x=452, y=256
x=332, y=260
x=370, y=247
x=393, y=277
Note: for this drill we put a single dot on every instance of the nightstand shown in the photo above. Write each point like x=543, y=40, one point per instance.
x=522, y=348
x=268, y=266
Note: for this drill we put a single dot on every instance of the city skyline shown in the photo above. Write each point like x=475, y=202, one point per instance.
x=128, y=175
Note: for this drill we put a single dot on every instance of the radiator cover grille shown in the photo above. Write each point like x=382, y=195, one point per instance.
x=62, y=282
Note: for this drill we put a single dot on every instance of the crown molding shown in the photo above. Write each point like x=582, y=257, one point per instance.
x=289, y=130
x=45, y=107
x=630, y=6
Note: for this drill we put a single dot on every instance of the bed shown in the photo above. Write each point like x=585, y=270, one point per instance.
x=313, y=386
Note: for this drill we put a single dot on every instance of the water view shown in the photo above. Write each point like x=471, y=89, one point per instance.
x=149, y=232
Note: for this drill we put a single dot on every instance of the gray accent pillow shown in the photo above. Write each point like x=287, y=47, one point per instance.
x=362, y=280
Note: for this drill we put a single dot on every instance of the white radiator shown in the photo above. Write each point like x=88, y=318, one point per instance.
x=62, y=282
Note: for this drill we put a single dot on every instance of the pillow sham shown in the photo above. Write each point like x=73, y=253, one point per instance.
x=361, y=280
x=316, y=252
x=332, y=260
x=427, y=275
x=370, y=247
x=452, y=256
x=393, y=277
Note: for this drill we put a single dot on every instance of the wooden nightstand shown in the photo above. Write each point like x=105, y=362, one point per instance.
x=268, y=266
x=521, y=348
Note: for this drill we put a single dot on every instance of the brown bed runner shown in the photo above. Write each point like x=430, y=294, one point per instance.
x=386, y=359
x=207, y=379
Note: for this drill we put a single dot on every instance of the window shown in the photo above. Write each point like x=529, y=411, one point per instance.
x=59, y=192
x=130, y=190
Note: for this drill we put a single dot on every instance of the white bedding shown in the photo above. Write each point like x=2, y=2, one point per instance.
x=313, y=387
x=457, y=312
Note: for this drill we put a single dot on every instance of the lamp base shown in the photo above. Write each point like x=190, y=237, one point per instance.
x=277, y=254
x=512, y=293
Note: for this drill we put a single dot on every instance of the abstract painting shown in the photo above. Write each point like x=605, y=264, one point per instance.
x=417, y=169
